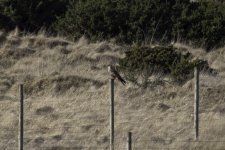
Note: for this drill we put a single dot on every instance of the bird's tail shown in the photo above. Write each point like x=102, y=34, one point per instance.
x=122, y=81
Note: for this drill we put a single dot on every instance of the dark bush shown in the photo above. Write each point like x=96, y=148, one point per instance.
x=30, y=15
x=161, y=21
x=127, y=20
x=97, y=19
x=201, y=24
x=6, y=23
x=146, y=61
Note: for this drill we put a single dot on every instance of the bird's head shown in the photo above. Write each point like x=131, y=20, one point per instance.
x=109, y=68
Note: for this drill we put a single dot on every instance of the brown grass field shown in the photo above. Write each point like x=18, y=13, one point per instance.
x=67, y=101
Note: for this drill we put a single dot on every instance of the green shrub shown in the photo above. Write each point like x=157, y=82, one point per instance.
x=161, y=21
x=5, y=22
x=31, y=15
x=146, y=21
x=203, y=24
x=146, y=61
x=97, y=19
x=127, y=20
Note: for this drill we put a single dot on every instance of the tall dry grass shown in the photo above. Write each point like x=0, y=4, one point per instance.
x=67, y=106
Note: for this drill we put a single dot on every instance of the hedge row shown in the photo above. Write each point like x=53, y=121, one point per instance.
x=200, y=24
x=30, y=15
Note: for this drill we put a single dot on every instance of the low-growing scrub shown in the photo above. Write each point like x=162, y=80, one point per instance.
x=144, y=62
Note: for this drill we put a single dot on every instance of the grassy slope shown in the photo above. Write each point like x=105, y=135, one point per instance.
x=67, y=106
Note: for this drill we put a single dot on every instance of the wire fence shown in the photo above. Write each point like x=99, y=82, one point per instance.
x=40, y=139
x=88, y=128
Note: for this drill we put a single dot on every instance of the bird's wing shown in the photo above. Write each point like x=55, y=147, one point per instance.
x=118, y=76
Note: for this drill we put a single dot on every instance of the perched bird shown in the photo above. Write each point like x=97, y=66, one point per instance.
x=114, y=73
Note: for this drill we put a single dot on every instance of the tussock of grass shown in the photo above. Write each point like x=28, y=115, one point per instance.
x=60, y=84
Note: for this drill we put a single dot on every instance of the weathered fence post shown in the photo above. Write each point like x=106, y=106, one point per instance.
x=111, y=91
x=196, y=103
x=21, y=113
x=129, y=141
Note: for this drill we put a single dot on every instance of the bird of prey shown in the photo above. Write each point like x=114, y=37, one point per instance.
x=114, y=73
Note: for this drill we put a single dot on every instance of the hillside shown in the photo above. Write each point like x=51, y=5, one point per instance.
x=67, y=102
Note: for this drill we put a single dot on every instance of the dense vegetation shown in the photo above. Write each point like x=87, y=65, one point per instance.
x=30, y=15
x=199, y=24
x=144, y=62
x=203, y=24
x=128, y=21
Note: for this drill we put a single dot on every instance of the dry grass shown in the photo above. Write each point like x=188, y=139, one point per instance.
x=67, y=106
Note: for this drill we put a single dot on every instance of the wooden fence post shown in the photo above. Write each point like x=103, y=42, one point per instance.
x=196, y=103
x=111, y=91
x=21, y=117
x=129, y=141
